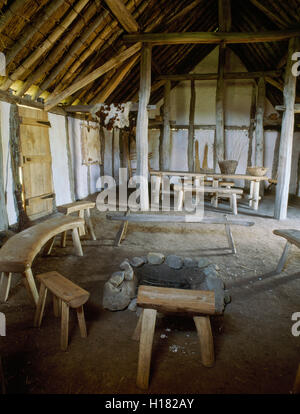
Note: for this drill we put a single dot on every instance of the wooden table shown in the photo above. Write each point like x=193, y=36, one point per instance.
x=254, y=181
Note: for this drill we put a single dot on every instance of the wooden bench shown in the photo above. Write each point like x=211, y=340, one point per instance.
x=66, y=294
x=216, y=191
x=83, y=210
x=161, y=218
x=18, y=253
x=195, y=303
x=292, y=237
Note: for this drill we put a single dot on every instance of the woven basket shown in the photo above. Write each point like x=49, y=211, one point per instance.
x=228, y=166
x=257, y=171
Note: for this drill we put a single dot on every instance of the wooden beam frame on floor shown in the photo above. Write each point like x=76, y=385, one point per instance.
x=286, y=138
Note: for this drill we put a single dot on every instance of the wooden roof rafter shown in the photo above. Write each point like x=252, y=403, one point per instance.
x=97, y=43
x=45, y=46
x=56, y=51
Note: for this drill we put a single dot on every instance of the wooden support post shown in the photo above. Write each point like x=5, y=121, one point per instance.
x=70, y=164
x=102, y=150
x=251, y=129
x=259, y=128
x=224, y=19
x=286, y=139
x=142, y=126
x=15, y=152
x=166, y=140
x=3, y=211
x=191, y=128
x=220, y=136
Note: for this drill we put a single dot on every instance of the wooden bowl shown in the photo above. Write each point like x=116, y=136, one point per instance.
x=257, y=171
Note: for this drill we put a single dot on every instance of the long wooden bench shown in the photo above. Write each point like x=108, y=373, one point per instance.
x=170, y=218
x=216, y=191
x=18, y=253
x=292, y=237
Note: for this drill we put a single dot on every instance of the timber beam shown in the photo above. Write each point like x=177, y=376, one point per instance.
x=214, y=76
x=211, y=37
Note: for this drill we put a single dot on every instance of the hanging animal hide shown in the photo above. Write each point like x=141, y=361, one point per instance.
x=112, y=116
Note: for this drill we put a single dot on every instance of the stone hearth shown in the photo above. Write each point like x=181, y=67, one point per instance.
x=157, y=270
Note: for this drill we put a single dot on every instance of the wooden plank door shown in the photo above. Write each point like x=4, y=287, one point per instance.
x=36, y=162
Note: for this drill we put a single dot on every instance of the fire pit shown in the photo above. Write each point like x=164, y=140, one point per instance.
x=157, y=270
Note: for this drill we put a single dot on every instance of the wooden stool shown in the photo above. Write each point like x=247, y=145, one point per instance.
x=196, y=303
x=83, y=209
x=65, y=294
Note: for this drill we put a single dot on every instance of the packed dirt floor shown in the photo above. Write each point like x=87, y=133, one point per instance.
x=254, y=346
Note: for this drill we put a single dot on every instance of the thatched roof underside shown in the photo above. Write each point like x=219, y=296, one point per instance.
x=93, y=35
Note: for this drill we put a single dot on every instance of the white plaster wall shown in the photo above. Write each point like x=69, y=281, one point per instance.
x=60, y=169
x=83, y=185
x=237, y=113
x=7, y=172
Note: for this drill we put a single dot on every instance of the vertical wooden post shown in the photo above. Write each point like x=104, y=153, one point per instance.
x=166, y=141
x=142, y=125
x=220, y=136
x=276, y=158
x=251, y=129
x=15, y=152
x=259, y=129
x=102, y=150
x=286, y=139
x=113, y=153
x=224, y=18
x=70, y=164
x=191, y=128
x=3, y=211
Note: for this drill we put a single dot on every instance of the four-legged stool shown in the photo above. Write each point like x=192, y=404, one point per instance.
x=83, y=209
x=196, y=303
x=65, y=295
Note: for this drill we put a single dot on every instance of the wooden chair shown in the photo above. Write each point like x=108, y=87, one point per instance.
x=66, y=294
x=195, y=303
x=83, y=210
